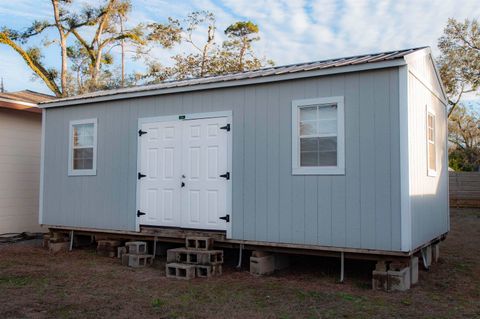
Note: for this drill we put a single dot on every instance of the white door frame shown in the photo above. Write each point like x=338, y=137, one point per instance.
x=184, y=117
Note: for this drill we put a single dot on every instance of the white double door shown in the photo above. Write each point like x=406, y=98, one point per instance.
x=183, y=162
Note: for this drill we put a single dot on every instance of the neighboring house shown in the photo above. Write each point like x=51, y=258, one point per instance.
x=20, y=135
x=345, y=155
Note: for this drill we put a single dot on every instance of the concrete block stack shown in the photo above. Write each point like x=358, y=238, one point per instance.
x=197, y=259
x=135, y=254
x=56, y=242
x=264, y=263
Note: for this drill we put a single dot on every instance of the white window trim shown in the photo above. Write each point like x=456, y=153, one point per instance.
x=82, y=172
x=325, y=170
x=431, y=172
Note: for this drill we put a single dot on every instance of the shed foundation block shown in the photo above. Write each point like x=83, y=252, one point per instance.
x=136, y=261
x=399, y=280
x=136, y=247
x=180, y=271
x=200, y=243
x=262, y=265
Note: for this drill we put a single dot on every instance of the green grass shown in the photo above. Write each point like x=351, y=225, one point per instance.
x=158, y=303
x=15, y=281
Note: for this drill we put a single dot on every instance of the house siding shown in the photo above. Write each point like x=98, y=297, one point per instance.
x=360, y=209
x=20, y=134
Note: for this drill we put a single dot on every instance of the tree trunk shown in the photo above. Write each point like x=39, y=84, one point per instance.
x=123, y=53
x=63, y=47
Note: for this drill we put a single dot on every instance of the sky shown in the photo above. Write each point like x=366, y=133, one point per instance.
x=291, y=31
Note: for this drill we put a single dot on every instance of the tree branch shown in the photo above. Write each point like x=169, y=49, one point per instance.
x=34, y=65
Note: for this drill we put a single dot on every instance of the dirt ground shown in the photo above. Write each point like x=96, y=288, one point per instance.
x=80, y=284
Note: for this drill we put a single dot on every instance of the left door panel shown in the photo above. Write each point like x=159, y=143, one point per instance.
x=160, y=161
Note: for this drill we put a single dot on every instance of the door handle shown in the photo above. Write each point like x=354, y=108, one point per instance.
x=183, y=184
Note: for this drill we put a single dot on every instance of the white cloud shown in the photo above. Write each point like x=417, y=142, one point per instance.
x=291, y=30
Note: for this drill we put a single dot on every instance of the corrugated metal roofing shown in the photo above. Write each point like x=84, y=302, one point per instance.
x=265, y=72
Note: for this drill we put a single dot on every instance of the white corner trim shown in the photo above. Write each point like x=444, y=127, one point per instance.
x=327, y=170
x=405, y=201
x=82, y=172
x=42, y=169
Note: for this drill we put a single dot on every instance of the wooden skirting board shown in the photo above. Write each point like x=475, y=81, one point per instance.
x=176, y=235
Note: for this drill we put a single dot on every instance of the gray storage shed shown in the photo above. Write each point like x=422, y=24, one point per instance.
x=346, y=154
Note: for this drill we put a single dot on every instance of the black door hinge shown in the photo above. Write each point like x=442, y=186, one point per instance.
x=140, y=132
x=140, y=175
x=139, y=213
x=226, y=127
x=226, y=218
x=226, y=175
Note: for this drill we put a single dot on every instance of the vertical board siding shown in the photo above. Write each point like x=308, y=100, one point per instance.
x=359, y=209
x=382, y=169
x=352, y=157
x=428, y=194
x=367, y=158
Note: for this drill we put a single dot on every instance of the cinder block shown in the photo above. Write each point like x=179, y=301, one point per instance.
x=180, y=271
x=413, y=270
x=262, y=265
x=136, y=260
x=436, y=252
x=57, y=237
x=58, y=247
x=136, y=247
x=379, y=280
x=399, y=280
x=120, y=251
x=195, y=257
x=206, y=271
x=200, y=243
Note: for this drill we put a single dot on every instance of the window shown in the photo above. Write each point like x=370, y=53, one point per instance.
x=431, y=152
x=318, y=136
x=83, y=147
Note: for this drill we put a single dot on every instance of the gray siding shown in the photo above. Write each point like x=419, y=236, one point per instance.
x=360, y=209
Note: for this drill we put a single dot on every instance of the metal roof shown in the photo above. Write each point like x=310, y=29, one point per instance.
x=371, y=59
